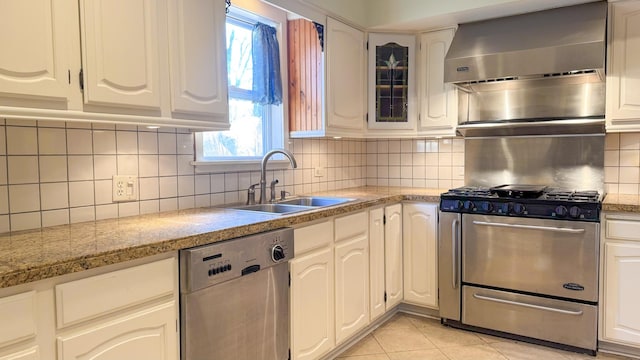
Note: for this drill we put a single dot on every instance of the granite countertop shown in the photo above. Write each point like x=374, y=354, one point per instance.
x=621, y=202
x=33, y=255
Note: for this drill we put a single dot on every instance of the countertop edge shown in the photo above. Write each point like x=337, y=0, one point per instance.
x=27, y=274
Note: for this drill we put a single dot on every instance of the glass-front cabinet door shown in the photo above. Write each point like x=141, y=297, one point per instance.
x=392, y=100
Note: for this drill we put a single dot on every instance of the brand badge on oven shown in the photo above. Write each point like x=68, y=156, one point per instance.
x=573, y=286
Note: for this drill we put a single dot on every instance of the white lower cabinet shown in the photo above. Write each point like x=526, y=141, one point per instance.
x=420, y=243
x=312, y=294
x=329, y=284
x=352, y=274
x=20, y=323
x=385, y=254
x=29, y=354
x=148, y=334
x=620, y=314
x=125, y=312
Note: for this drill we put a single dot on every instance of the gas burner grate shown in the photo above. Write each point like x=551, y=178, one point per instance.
x=570, y=195
x=470, y=191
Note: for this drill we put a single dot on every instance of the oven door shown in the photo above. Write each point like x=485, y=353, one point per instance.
x=539, y=256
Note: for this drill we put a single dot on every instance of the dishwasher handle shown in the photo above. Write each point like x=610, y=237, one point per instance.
x=250, y=269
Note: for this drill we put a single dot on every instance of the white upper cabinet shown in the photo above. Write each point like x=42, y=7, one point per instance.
x=37, y=55
x=623, y=76
x=147, y=62
x=197, y=56
x=438, y=101
x=120, y=49
x=346, y=86
x=392, y=74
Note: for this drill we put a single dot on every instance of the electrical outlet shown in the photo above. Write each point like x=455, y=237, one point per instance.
x=125, y=188
x=319, y=172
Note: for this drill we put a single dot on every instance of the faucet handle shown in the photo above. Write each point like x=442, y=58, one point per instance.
x=251, y=194
x=273, y=190
x=283, y=194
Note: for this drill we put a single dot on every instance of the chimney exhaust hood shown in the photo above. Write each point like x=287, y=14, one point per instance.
x=520, y=71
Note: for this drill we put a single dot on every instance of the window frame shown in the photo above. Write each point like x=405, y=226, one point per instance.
x=275, y=120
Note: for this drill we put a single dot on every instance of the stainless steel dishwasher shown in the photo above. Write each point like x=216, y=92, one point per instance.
x=234, y=298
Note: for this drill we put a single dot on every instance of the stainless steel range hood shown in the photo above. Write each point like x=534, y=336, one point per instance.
x=517, y=71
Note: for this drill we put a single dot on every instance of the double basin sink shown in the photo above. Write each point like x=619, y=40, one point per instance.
x=294, y=205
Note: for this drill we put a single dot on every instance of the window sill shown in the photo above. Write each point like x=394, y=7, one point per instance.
x=238, y=166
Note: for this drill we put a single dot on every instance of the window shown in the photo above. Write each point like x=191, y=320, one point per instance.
x=255, y=129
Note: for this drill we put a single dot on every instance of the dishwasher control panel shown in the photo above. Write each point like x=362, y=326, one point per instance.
x=207, y=265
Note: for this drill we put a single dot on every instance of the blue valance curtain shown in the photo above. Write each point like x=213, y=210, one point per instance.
x=267, y=83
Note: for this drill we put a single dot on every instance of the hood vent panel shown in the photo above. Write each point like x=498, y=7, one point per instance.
x=536, y=73
x=556, y=41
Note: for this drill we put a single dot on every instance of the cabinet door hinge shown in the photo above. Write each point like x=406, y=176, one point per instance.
x=385, y=296
x=289, y=278
x=366, y=117
x=384, y=219
x=81, y=79
x=69, y=76
x=367, y=45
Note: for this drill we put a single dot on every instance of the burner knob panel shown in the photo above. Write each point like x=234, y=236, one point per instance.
x=561, y=211
x=277, y=253
x=518, y=209
x=486, y=206
x=574, y=212
x=469, y=205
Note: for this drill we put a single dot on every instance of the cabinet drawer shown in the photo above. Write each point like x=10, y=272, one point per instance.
x=312, y=237
x=19, y=311
x=88, y=298
x=622, y=228
x=351, y=226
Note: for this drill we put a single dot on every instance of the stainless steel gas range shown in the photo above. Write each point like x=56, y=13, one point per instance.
x=521, y=261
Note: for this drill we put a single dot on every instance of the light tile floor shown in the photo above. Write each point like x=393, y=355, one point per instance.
x=407, y=337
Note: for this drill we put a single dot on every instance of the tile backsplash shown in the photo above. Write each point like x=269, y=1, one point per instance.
x=622, y=163
x=54, y=173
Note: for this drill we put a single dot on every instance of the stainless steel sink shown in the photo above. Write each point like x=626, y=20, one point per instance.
x=316, y=201
x=274, y=208
x=294, y=205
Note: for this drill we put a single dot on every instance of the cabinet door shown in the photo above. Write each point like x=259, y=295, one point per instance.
x=149, y=334
x=120, y=52
x=352, y=286
x=312, y=304
x=420, y=254
x=438, y=101
x=393, y=254
x=377, y=263
x=197, y=49
x=39, y=50
x=623, y=79
x=392, y=98
x=29, y=354
x=621, y=293
x=345, y=76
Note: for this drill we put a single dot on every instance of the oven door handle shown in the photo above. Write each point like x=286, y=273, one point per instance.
x=531, y=227
x=455, y=282
x=533, y=306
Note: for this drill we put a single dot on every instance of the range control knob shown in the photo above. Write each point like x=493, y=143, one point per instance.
x=277, y=253
x=504, y=208
x=486, y=206
x=469, y=205
x=561, y=211
x=459, y=205
x=518, y=209
x=574, y=212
